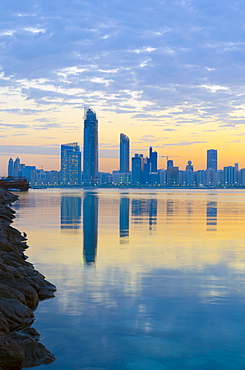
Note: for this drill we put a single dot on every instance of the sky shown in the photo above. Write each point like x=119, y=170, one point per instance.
x=167, y=73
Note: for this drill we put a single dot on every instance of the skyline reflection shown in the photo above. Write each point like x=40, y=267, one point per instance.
x=124, y=217
x=70, y=212
x=142, y=208
x=211, y=215
x=90, y=228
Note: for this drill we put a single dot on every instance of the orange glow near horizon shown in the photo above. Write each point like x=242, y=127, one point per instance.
x=180, y=143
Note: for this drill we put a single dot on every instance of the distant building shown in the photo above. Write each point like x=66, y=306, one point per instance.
x=150, y=176
x=153, y=160
x=242, y=178
x=212, y=161
x=210, y=177
x=105, y=178
x=54, y=177
x=11, y=167
x=124, y=153
x=172, y=173
x=29, y=172
x=162, y=177
x=16, y=167
x=41, y=177
x=229, y=176
x=90, y=148
x=219, y=178
x=189, y=174
x=200, y=177
x=70, y=164
x=137, y=169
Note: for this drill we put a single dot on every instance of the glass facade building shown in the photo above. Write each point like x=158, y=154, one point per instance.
x=10, y=167
x=70, y=164
x=90, y=148
x=124, y=153
x=212, y=159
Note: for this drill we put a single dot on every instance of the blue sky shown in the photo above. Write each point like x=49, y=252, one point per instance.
x=167, y=73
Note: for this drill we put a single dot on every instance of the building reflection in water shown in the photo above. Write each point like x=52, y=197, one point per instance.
x=90, y=227
x=124, y=217
x=142, y=207
x=211, y=216
x=170, y=208
x=70, y=214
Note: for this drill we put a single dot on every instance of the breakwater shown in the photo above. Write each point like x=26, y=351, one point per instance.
x=21, y=289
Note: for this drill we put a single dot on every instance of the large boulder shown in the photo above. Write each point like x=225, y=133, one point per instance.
x=11, y=353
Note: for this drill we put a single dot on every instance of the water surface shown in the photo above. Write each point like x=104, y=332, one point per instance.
x=146, y=279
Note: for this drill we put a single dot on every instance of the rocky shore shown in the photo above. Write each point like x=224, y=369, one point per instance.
x=21, y=289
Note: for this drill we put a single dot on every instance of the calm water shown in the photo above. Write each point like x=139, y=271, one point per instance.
x=146, y=279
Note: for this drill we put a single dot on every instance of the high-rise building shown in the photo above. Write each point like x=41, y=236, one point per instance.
x=70, y=164
x=16, y=167
x=124, y=153
x=229, y=176
x=90, y=148
x=137, y=169
x=212, y=159
x=153, y=160
x=172, y=173
x=11, y=167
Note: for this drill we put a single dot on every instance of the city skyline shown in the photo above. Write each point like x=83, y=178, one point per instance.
x=175, y=83
x=145, y=171
x=152, y=158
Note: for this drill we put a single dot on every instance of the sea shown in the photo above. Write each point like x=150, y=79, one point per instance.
x=146, y=279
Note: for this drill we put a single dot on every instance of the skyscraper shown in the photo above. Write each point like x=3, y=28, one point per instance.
x=90, y=148
x=124, y=153
x=212, y=159
x=137, y=169
x=70, y=164
x=153, y=160
x=16, y=167
x=11, y=167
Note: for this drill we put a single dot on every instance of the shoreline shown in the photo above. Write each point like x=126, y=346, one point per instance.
x=21, y=289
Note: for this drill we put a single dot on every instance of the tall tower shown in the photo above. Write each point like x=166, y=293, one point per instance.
x=124, y=153
x=90, y=148
x=137, y=169
x=10, y=167
x=212, y=159
x=70, y=164
x=16, y=167
x=153, y=160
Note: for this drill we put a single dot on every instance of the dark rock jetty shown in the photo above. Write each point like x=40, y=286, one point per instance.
x=21, y=289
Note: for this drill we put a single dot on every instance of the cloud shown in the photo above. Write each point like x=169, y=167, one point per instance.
x=22, y=111
x=14, y=125
x=29, y=149
x=136, y=58
x=185, y=143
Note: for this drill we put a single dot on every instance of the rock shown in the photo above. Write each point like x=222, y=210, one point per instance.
x=17, y=315
x=8, y=292
x=31, y=333
x=21, y=288
x=35, y=353
x=4, y=326
x=11, y=353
